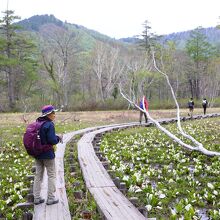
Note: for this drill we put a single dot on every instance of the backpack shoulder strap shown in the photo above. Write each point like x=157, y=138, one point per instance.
x=39, y=124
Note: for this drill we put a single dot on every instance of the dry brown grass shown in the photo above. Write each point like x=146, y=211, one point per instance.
x=95, y=117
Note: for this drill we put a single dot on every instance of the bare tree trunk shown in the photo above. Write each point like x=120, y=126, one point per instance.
x=191, y=87
x=172, y=136
x=65, y=90
x=11, y=89
x=50, y=69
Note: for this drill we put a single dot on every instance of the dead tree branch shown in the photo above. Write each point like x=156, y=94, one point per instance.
x=172, y=136
x=199, y=145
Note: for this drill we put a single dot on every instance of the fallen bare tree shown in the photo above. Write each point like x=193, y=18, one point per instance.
x=198, y=146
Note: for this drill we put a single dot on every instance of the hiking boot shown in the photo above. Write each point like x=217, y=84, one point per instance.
x=38, y=201
x=52, y=201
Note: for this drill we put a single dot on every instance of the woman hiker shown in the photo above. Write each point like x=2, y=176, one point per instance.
x=46, y=159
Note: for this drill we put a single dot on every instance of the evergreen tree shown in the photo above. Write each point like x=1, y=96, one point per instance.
x=148, y=37
x=200, y=51
x=17, y=57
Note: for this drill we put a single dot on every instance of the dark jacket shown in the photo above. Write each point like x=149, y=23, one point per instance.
x=48, y=136
x=191, y=104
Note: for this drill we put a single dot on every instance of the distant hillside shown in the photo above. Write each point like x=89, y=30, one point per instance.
x=34, y=23
x=212, y=34
x=89, y=36
x=131, y=40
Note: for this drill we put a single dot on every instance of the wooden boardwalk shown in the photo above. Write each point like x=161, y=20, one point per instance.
x=59, y=211
x=113, y=204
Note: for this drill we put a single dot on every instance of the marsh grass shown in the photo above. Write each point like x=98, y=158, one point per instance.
x=169, y=180
x=15, y=164
x=75, y=183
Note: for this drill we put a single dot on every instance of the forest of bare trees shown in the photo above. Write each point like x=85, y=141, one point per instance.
x=62, y=66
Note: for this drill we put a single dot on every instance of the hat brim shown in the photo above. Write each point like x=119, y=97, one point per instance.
x=47, y=113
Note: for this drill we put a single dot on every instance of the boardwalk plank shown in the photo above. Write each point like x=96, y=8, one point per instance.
x=61, y=210
x=114, y=205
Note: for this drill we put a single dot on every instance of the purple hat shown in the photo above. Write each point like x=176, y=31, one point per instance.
x=47, y=109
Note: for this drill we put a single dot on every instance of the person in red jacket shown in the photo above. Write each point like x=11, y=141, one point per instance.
x=142, y=107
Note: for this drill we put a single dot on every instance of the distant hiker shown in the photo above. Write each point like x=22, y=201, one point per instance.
x=191, y=107
x=204, y=105
x=46, y=159
x=142, y=107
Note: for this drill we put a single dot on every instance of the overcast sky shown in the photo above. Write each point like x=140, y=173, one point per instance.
x=124, y=18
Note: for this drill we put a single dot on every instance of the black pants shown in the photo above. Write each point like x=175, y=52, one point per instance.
x=145, y=116
x=204, y=109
